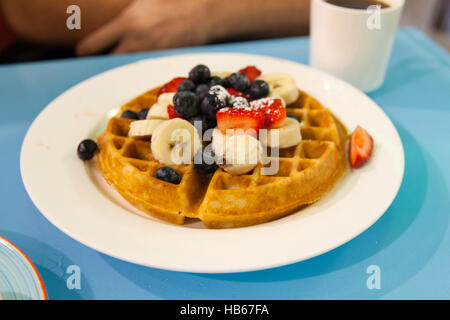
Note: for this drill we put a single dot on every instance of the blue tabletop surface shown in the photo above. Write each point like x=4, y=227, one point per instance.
x=410, y=244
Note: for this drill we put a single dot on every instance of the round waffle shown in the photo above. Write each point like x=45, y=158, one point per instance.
x=306, y=172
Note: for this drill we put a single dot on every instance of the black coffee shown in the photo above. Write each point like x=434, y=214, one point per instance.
x=358, y=4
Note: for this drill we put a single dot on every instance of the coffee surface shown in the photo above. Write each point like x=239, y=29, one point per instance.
x=358, y=4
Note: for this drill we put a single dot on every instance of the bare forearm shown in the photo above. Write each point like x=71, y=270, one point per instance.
x=44, y=21
x=259, y=18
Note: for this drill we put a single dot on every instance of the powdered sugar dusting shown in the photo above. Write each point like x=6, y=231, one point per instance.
x=221, y=93
x=261, y=103
x=240, y=103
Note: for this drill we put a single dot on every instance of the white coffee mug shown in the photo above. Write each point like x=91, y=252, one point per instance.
x=354, y=44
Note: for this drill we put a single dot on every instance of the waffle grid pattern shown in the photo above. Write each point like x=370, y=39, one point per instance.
x=222, y=200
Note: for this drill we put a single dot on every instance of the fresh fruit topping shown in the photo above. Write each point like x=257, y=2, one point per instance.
x=238, y=81
x=251, y=72
x=143, y=128
x=240, y=118
x=158, y=111
x=201, y=91
x=175, y=141
x=143, y=113
x=214, y=81
x=234, y=93
x=259, y=89
x=186, y=104
x=199, y=74
x=240, y=102
x=274, y=95
x=168, y=174
x=221, y=93
x=86, y=149
x=361, y=146
x=226, y=83
x=186, y=85
x=274, y=112
x=212, y=103
x=128, y=114
x=172, y=113
x=202, y=123
x=171, y=86
x=283, y=84
x=288, y=135
x=205, y=161
x=242, y=154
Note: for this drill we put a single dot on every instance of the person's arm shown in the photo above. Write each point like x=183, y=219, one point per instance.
x=135, y=25
x=44, y=21
x=159, y=24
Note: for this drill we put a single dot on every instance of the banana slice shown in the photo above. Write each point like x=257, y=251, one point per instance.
x=220, y=74
x=175, y=141
x=143, y=128
x=242, y=153
x=166, y=98
x=159, y=109
x=283, y=84
x=287, y=136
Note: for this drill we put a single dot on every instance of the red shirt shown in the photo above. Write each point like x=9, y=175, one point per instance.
x=6, y=36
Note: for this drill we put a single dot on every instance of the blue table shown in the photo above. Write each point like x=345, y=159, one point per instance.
x=410, y=243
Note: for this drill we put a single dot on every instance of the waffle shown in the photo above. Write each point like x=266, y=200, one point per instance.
x=306, y=172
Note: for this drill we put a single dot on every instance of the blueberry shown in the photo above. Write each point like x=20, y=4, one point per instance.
x=86, y=149
x=200, y=123
x=201, y=91
x=222, y=94
x=290, y=115
x=210, y=105
x=186, y=104
x=258, y=89
x=205, y=161
x=128, y=114
x=226, y=82
x=143, y=113
x=238, y=81
x=168, y=174
x=214, y=81
x=206, y=122
x=199, y=74
x=186, y=85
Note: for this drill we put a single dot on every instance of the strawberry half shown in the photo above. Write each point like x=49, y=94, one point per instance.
x=274, y=112
x=237, y=93
x=251, y=72
x=171, y=86
x=172, y=113
x=361, y=146
x=239, y=118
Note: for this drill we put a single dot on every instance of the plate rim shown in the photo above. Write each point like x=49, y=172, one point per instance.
x=29, y=263
x=235, y=269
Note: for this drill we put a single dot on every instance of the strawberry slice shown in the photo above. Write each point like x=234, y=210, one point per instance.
x=237, y=93
x=274, y=112
x=251, y=72
x=171, y=86
x=172, y=113
x=361, y=146
x=239, y=118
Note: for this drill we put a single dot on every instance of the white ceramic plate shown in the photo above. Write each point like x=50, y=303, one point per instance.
x=73, y=197
x=19, y=278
